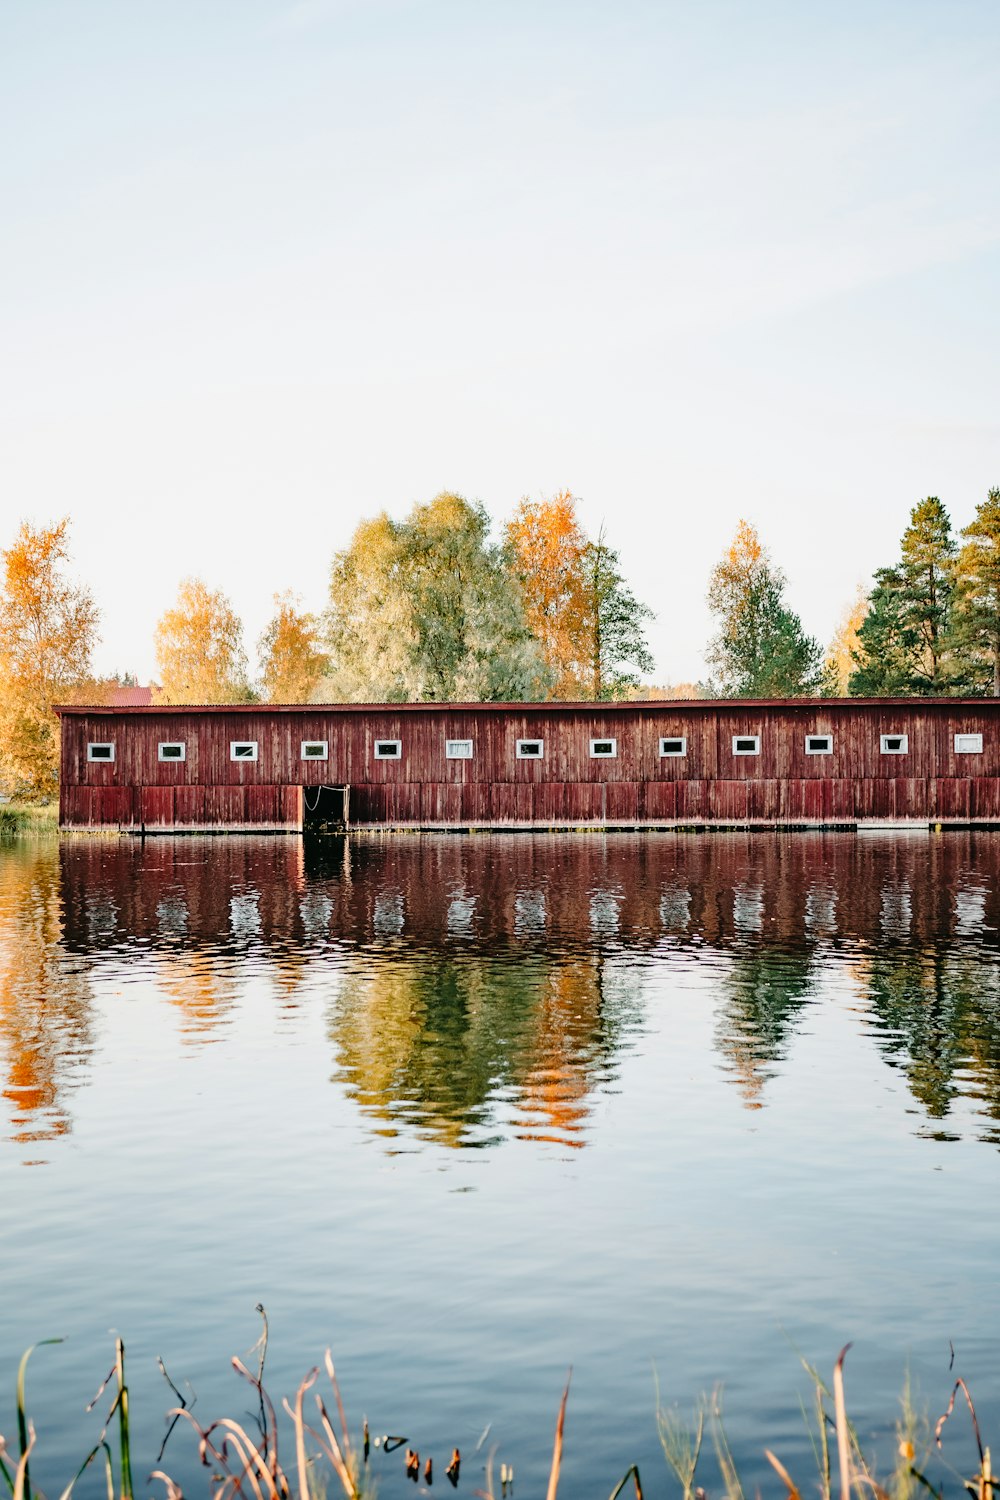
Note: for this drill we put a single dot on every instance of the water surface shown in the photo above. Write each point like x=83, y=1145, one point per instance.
x=475, y=1109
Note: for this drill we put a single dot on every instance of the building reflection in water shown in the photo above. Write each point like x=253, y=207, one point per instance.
x=480, y=987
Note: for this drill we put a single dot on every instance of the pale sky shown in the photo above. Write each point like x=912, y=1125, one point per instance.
x=270, y=266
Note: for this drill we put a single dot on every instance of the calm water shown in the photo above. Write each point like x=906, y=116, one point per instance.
x=472, y=1110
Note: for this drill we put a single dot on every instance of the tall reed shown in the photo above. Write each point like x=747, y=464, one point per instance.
x=242, y=1463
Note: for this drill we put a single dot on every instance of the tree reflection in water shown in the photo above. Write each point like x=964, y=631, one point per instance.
x=437, y=1042
x=45, y=1010
x=479, y=987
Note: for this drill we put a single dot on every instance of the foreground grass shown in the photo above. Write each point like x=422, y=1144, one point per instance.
x=241, y=1458
x=18, y=819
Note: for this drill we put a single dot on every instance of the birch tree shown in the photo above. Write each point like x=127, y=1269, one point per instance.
x=291, y=661
x=548, y=546
x=427, y=610
x=48, y=630
x=612, y=629
x=199, y=649
x=760, y=649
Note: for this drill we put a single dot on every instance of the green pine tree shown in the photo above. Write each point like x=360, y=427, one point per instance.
x=905, y=645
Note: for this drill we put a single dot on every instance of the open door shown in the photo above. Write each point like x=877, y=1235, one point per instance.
x=325, y=809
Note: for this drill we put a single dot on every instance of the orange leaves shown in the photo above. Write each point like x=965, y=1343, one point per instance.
x=548, y=546
x=48, y=628
x=292, y=663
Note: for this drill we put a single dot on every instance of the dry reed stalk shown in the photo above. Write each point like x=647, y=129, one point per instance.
x=843, y=1434
x=557, y=1446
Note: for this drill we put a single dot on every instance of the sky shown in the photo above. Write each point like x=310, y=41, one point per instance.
x=268, y=267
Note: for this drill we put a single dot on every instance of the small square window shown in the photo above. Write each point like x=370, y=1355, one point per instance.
x=673, y=745
x=171, y=750
x=603, y=749
x=242, y=749
x=388, y=749
x=458, y=749
x=315, y=750
x=819, y=744
x=101, y=750
x=968, y=744
x=894, y=744
x=530, y=749
x=746, y=744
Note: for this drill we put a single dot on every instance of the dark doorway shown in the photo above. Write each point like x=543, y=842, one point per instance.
x=325, y=809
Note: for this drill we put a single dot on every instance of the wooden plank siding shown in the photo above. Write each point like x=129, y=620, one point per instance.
x=567, y=787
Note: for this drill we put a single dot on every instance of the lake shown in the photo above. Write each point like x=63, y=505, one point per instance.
x=474, y=1109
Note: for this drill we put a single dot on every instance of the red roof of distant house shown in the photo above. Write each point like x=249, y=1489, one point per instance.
x=130, y=697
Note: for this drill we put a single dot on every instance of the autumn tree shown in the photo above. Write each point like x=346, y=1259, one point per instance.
x=199, y=649
x=840, y=663
x=905, y=644
x=547, y=546
x=292, y=662
x=48, y=629
x=977, y=605
x=760, y=649
x=612, y=630
x=426, y=609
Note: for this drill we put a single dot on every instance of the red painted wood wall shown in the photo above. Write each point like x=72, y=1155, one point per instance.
x=567, y=786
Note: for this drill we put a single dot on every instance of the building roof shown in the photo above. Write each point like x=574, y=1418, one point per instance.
x=130, y=697
x=631, y=705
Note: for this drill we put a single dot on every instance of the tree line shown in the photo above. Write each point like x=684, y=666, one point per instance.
x=928, y=626
x=433, y=608
x=429, y=608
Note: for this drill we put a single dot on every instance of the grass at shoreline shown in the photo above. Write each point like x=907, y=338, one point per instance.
x=241, y=1457
x=28, y=820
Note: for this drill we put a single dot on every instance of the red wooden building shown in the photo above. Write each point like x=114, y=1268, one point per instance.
x=792, y=762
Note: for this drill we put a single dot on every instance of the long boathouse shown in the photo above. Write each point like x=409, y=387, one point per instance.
x=812, y=762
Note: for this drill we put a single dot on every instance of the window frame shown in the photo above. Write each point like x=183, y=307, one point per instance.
x=902, y=749
x=254, y=746
x=324, y=744
x=378, y=753
x=827, y=747
x=100, y=760
x=667, y=739
x=450, y=753
x=604, y=739
x=756, y=744
x=171, y=760
x=968, y=734
x=521, y=754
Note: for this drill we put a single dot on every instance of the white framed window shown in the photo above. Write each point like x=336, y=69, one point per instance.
x=894, y=744
x=819, y=744
x=171, y=750
x=968, y=744
x=673, y=744
x=530, y=749
x=603, y=749
x=315, y=750
x=746, y=744
x=458, y=749
x=388, y=749
x=101, y=750
x=242, y=749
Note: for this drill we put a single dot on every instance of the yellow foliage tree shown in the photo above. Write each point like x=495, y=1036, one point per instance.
x=48, y=629
x=840, y=660
x=199, y=649
x=548, y=546
x=292, y=663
